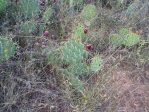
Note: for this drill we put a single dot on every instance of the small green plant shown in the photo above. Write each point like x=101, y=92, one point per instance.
x=89, y=12
x=3, y=4
x=7, y=48
x=125, y=37
x=29, y=8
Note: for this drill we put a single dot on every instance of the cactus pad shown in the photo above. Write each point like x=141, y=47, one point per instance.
x=7, y=48
x=125, y=37
x=73, y=51
x=79, y=32
x=89, y=12
x=77, y=84
x=131, y=39
x=96, y=64
x=78, y=69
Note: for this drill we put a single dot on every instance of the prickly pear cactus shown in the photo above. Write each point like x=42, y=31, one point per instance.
x=73, y=51
x=7, y=48
x=89, y=12
x=131, y=39
x=96, y=64
x=47, y=14
x=77, y=84
x=125, y=37
x=78, y=69
x=29, y=8
x=28, y=27
x=3, y=4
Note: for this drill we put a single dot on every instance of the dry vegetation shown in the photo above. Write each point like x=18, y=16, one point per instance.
x=29, y=82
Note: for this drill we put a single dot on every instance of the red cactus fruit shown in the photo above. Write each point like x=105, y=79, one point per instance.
x=46, y=33
x=88, y=47
x=85, y=30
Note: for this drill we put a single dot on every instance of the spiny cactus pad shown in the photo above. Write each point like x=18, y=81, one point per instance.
x=7, y=48
x=77, y=84
x=89, y=12
x=73, y=51
x=78, y=69
x=96, y=64
x=131, y=39
x=3, y=4
x=29, y=8
x=28, y=27
x=125, y=37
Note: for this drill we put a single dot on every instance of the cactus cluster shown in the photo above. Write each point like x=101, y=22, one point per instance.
x=125, y=37
x=3, y=4
x=7, y=48
x=73, y=55
x=75, y=52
